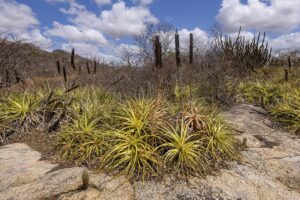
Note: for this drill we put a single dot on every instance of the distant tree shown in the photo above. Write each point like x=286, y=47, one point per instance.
x=144, y=40
x=128, y=55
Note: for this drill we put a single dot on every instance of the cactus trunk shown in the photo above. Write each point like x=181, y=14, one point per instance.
x=177, y=49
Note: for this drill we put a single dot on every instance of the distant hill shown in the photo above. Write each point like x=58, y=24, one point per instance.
x=20, y=61
x=43, y=63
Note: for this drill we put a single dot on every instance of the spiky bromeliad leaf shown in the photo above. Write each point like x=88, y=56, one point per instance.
x=182, y=149
x=287, y=111
x=18, y=107
x=140, y=115
x=219, y=141
x=81, y=141
x=130, y=154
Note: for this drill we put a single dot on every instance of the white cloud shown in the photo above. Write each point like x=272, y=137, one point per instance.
x=89, y=51
x=143, y=2
x=102, y=2
x=120, y=21
x=76, y=34
x=288, y=42
x=18, y=22
x=279, y=16
x=201, y=38
x=36, y=37
x=16, y=17
x=246, y=34
x=60, y=1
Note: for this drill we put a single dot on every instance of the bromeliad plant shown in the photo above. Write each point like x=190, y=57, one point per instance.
x=82, y=140
x=140, y=116
x=182, y=149
x=262, y=92
x=133, y=144
x=130, y=154
x=278, y=96
x=218, y=141
x=19, y=109
x=196, y=115
x=287, y=111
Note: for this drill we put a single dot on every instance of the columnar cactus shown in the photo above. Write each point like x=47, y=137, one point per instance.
x=95, y=67
x=73, y=59
x=65, y=74
x=58, y=66
x=157, y=52
x=177, y=49
x=191, y=49
x=88, y=68
x=289, y=62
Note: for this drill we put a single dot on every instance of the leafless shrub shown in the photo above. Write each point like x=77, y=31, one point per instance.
x=144, y=41
x=14, y=57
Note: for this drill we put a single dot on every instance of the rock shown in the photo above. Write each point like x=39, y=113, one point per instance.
x=23, y=176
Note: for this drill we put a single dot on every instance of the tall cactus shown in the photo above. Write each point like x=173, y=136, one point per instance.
x=73, y=59
x=286, y=75
x=191, y=49
x=157, y=52
x=58, y=66
x=65, y=74
x=289, y=62
x=88, y=68
x=177, y=49
x=95, y=67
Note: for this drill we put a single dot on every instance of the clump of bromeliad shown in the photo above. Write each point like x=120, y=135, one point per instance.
x=139, y=138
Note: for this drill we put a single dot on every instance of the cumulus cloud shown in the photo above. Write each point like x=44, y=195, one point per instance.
x=16, y=17
x=102, y=2
x=201, y=38
x=276, y=16
x=143, y=2
x=76, y=34
x=37, y=38
x=60, y=1
x=120, y=21
x=289, y=42
x=17, y=21
x=246, y=34
x=89, y=31
x=90, y=51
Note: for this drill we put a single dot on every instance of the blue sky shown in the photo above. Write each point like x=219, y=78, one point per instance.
x=183, y=13
x=99, y=27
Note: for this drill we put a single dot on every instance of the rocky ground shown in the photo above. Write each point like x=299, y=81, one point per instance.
x=271, y=170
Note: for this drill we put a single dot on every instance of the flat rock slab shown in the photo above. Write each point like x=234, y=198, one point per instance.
x=271, y=168
x=23, y=176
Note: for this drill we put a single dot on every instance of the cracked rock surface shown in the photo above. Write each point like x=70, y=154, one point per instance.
x=24, y=177
x=270, y=171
